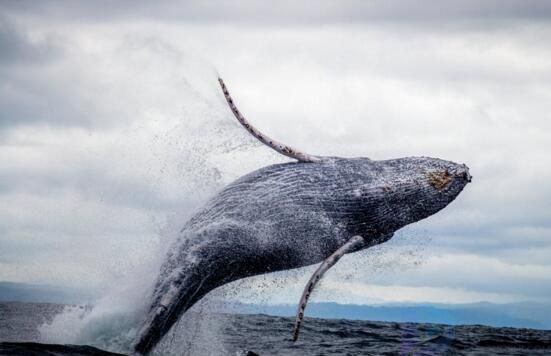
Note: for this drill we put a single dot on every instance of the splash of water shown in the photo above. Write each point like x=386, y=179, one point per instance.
x=186, y=158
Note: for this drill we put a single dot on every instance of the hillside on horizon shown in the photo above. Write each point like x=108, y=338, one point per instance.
x=516, y=315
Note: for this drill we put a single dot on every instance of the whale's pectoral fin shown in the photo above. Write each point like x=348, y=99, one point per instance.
x=351, y=245
x=270, y=142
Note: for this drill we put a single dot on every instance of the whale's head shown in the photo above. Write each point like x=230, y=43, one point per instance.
x=393, y=193
x=385, y=195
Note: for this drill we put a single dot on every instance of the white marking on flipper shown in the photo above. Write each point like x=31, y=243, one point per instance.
x=329, y=262
x=278, y=146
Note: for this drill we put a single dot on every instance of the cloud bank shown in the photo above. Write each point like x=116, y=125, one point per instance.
x=113, y=130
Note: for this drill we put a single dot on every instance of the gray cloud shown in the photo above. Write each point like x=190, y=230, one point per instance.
x=113, y=129
x=17, y=47
x=29, y=92
x=287, y=12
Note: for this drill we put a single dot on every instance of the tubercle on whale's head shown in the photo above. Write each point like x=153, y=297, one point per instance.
x=401, y=191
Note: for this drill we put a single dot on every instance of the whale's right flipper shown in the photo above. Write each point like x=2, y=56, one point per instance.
x=349, y=246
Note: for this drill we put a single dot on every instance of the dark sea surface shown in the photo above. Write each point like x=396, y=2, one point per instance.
x=268, y=335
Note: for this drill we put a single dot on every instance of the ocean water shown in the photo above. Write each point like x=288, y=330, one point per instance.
x=241, y=334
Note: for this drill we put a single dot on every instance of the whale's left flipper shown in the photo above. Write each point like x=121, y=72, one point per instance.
x=351, y=245
x=282, y=148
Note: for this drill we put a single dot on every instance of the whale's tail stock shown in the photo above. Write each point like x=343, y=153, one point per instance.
x=164, y=313
x=146, y=337
x=187, y=284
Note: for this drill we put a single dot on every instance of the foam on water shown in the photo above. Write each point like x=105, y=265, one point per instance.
x=110, y=324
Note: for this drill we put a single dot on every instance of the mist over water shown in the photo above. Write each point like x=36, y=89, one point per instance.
x=182, y=158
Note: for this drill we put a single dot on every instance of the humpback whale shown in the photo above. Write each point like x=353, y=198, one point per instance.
x=285, y=216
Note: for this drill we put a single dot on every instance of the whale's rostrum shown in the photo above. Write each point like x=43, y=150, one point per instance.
x=292, y=215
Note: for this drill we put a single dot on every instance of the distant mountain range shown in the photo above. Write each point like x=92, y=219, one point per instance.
x=517, y=315
x=36, y=293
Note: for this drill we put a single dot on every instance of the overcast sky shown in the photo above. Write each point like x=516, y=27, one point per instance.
x=113, y=130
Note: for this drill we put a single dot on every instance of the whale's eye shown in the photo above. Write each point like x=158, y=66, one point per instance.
x=440, y=179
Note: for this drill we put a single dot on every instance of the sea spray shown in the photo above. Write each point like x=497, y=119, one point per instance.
x=184, y=159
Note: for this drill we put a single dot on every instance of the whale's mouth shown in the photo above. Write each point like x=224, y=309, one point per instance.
x=467, y=175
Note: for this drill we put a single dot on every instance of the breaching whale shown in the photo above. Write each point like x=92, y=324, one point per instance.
x=292, y=215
